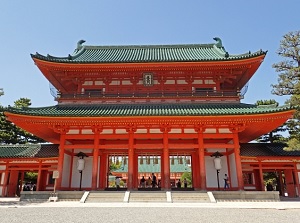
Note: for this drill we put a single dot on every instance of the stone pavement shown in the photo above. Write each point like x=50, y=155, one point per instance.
x=282, y=205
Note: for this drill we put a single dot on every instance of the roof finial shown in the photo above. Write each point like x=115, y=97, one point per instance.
x=219, y=42
x=79, y=44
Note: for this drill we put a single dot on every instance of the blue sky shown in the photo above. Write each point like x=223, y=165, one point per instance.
x=54, y=27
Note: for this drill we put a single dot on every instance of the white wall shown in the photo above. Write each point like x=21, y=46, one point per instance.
x=233, y=173
x=211, y=173
x=86, y=173
x=66, y=171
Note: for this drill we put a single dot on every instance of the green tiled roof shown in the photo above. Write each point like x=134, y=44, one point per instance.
x=148, y=53
x=266, y=149
x=155, y=168
x=29, y=151
x=117, y=110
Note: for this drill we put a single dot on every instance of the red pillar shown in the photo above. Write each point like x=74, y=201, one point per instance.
x=195, y=170
x=261, y=177
x=295, y=172
x=95, y=158
x=39, y=177
x=61, y=160
x=201, y=151
x=136, y=171
x=5, y=187
x=103, y=178
x=166, y=159
x=239, y=171
x=130, y=183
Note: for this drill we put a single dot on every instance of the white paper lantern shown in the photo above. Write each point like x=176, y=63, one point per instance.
x=218, y=163
x=80, y=164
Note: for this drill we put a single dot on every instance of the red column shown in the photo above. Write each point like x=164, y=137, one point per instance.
x=239, y=171
x=130, y=183
x=195, y=170
x=261, y=177
x=103, y=178
x=61, y=160
x=39, y=177
x=136, y=171
x=166, y=159
x=201, y=151
x=295, y=172
x=4, y=190
x=95, y=158
x=162, y=184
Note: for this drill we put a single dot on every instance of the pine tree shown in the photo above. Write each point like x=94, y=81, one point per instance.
x=289, y=82
x=12, y=134
x=275, y=135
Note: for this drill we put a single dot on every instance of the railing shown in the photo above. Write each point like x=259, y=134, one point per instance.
x=150, y=94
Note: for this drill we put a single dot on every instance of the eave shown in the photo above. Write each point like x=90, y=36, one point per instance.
x=249, y=127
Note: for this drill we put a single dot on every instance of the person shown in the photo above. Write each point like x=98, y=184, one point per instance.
x=178, y=183
x=269, y=187
x=118, y=182
x=154, y=182
x=149, y=182
x=143, y=181
x=185, y=183
x=226, y=182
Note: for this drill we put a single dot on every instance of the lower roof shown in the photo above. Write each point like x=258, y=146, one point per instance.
x=168, y=109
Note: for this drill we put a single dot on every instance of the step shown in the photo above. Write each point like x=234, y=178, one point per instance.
x=149, y=196
x=98, y=197
x=195, y=197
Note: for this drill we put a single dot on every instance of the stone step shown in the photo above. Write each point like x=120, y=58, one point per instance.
x=191, y=197
x=150, y=196
x=98, y=197
x=246, y=200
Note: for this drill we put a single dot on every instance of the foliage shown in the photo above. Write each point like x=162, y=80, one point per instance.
x=12, y=134
x=188, y=176
x=30, y=177
x=275, y=135
x=289, y=82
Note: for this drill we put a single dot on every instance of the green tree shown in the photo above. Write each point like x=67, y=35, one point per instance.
x=276, y=134
x=188, y=177
x=289, y=82
x=12, y=134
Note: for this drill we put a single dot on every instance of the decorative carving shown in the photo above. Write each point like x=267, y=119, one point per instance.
x=131, y=128
x=165, y=128
x=97, y=129
x=199, y=128
x=61, y=129
x=237, y=128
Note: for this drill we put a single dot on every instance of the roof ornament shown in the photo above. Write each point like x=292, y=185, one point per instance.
x=79, y=44
x=219, y=42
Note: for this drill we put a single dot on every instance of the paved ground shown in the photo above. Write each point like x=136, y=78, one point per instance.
x=143, y=213
x=282, y=205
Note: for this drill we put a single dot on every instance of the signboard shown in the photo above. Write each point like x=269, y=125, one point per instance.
x=55, y=174
x=148, y=79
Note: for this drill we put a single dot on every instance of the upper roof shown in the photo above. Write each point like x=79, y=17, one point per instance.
x=123, y=110
x=149, y=53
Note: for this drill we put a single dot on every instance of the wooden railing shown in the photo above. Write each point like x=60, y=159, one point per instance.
x=150, y=94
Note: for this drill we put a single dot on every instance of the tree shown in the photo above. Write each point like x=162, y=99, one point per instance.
x=275, y=135
x=12, y=134
x=289, y=82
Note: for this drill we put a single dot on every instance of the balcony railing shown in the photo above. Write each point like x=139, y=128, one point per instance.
x=150, y=95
